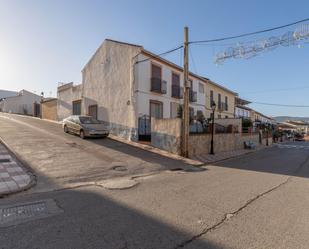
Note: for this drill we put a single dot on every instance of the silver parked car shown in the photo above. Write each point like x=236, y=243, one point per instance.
x=84, y=126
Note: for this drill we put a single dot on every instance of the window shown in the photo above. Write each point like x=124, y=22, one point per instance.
x=219, y=101
x=226, y=106
x=176, y=85
x=211, y=97
x=93, y=111
x=219, y=116
x=201, y=88
x=156, y=109
x=156, y=71
x=77, y=107
x=226, y=116
x=175, y=79
x=88, y=120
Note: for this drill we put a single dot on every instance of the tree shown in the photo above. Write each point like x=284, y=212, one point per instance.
x=179, y=111
x=200, y=116
x=247, y=123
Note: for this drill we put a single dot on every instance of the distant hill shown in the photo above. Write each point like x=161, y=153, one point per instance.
x=285, y=118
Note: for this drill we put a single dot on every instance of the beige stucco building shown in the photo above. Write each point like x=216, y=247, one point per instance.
x=49, y=109
x=224, y=99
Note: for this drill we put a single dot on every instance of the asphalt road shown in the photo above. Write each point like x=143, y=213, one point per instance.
x=63, y=160
x=259, y=200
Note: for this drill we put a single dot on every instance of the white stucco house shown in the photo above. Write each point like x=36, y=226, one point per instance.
x=124, y=85
x=24, y=103
x=69, y=98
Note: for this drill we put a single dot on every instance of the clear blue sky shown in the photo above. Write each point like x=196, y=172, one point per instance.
x=44, y=42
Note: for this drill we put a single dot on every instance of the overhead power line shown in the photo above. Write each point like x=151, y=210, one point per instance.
x=251, y=33
x=277, y=90
x=162, y=54
x=283, y=105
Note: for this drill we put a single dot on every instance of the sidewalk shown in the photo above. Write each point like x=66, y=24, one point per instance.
x=13, y=177
x=207, y=158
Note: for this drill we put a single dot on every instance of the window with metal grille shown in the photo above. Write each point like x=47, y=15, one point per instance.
x=77, y=107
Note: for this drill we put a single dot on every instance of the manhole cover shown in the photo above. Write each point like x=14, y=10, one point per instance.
x=5, y=160
x=119, y=168
x=195, y=169
x=72, y=144
x=16, y=214
x=176, y=169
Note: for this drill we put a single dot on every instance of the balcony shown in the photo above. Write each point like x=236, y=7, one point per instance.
x=192, y=96
x=177, y=92
x=158, y=85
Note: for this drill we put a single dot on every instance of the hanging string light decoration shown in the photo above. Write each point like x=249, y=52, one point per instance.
x=251, y=49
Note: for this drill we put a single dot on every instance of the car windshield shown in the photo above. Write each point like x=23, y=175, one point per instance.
x=88, y=120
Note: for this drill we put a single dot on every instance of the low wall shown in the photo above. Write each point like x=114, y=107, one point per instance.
x=166, y=134
x=200, y=143
x=49, y=109
x=236, y=122
x=270, y=141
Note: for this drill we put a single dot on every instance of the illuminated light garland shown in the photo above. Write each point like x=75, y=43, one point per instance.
x=251, y=49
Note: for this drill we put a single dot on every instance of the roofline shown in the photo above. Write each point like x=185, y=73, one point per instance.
x=110, y=40
x=201, y=78
x=157, y=57
x=244, y=107
x=123, y=43
x=48, y=100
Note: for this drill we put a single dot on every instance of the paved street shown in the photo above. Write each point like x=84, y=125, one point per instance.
x=63, y=160
x=258, y=200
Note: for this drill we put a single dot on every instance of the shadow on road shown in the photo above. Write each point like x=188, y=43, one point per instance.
x=92, y=219
x=284, y=161
x=147, y=156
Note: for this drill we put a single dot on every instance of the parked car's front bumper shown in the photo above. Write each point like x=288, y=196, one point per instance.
x=95, y=133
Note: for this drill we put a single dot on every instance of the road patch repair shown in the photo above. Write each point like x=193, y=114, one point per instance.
x=13, y=176
x=12, y=215
x=118, y=183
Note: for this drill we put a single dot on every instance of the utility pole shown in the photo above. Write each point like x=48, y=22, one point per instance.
x=185, y=113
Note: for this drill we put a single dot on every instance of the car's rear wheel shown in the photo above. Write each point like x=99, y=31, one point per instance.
x=65, y=129
x=82, y=134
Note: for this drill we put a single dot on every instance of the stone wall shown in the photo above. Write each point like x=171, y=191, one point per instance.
x=166, y=134
x=200, y=143
x=49, y=109
x=236, y=122
x=270, y=141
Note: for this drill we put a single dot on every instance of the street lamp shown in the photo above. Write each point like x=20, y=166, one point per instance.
x=213, y=108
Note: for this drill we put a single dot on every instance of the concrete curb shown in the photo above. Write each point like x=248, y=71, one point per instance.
x=155, y=150
x=237, y=156
x=25, y=166
x=29, y=116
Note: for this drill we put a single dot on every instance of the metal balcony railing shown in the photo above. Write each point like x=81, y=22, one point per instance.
x=192, y=96
x=158, y=85
x=177, y=92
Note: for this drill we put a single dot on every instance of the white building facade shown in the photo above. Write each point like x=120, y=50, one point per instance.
x=24, y=103
x=123, y=83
